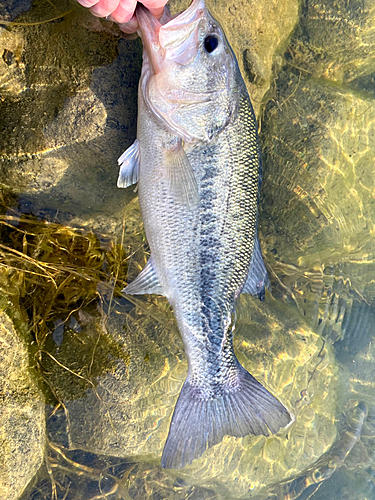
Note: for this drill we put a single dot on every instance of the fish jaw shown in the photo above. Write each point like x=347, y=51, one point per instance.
x=170, y=38
x=149, y=27
x=180, y=36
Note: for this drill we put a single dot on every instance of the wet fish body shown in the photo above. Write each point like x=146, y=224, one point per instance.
x=197, y=163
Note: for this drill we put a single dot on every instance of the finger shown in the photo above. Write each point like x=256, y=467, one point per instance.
x=157, y=11
x=124, y=11
x=129, y=27
x=87, y=3
x=156, y=7
x=104, y=7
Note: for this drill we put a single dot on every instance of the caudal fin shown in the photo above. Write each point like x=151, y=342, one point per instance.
x=198, y=424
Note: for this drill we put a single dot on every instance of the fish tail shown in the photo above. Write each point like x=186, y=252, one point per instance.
x=199, y=423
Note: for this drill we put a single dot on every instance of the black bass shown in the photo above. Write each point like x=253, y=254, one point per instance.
x=197, y=163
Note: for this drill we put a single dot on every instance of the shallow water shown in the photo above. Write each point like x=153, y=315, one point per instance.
x=93, y=377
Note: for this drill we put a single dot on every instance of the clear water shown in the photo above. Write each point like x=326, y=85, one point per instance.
x=97, y=375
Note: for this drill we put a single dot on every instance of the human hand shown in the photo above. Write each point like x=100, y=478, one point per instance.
x=122, y=11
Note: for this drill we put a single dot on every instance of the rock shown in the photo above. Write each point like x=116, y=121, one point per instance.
x=125, y=410
x=12, y=69
x=69, y=107
x=22, y=420
x=335, y=40
x=318, y=197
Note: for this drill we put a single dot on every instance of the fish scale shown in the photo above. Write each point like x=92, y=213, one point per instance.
x=198, y=167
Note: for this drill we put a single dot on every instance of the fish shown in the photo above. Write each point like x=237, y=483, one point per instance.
x=197, y=163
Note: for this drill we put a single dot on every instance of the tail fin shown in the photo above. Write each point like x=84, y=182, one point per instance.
x=198, y=424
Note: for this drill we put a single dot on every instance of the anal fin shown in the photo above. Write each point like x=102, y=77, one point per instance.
x=129, y=166
x=146, y=282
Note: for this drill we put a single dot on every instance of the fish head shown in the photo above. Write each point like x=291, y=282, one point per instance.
x=190, y=74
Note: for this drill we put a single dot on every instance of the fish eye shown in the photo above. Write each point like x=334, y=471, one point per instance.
x=211, y=43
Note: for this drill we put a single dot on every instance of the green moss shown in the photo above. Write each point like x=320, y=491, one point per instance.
x=50, y=274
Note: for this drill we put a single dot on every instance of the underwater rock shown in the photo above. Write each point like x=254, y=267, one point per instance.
x=22, y=417
x=12, y=68
x=310, y=481
x=82, y=118
x=127, y=409
x=318, y=199
x=335, y=40
x=69, y=107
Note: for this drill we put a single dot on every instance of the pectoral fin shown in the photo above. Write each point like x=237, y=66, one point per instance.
x=129, y=166
x=257, y=279
x=179, y=173
x=146, y=282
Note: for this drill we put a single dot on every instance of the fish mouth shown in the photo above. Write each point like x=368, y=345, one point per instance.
x=171, y=38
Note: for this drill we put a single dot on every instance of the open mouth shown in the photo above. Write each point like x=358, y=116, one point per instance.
x=176, y=40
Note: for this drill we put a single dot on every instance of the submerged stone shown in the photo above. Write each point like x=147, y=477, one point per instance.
x=335, y=40
x=22, y=418
x=318, y=200
x=127, y=411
